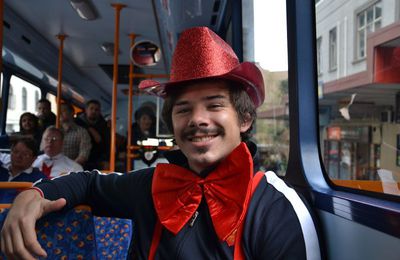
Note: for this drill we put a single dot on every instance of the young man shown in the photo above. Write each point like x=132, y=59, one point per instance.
x=46, y=117
x=53, y=162
x=77, y=143
x=208, y=202
x=94, y=123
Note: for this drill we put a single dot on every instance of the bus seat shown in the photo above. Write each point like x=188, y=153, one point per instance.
x=113, y=237
x=68, y=235
x=77, y=234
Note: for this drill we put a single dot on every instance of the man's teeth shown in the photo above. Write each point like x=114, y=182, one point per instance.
x=202, y=138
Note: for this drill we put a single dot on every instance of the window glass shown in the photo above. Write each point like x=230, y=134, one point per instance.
x=53, y=100
x=359, y=105
x=332, y=49
x=24, y=99
x=319, y=63
x=21, y=99
x=272, y=126
x=369, y=20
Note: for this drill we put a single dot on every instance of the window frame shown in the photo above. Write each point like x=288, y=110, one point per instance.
x=364, y=10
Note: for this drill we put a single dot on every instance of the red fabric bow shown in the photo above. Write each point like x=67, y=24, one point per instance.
x=177, y=193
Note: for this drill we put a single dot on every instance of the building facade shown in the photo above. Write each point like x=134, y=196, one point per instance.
x=358, y=66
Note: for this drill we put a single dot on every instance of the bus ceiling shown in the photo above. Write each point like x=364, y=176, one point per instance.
x=31, y=27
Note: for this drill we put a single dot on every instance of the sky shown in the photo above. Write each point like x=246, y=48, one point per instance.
x=270, y=34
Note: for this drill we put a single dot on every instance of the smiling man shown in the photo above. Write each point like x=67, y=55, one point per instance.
x=210, y=201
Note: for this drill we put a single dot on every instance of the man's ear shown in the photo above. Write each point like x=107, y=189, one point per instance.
x=246, y=124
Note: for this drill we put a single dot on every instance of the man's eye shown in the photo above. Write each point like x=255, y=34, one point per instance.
x=217, y=105
x=182, y=110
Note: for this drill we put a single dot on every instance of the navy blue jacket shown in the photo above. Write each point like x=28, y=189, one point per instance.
x=274, y=229
x=8, y=195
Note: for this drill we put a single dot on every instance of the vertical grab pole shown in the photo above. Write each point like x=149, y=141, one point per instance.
x=1, y=36
x=61, y=37
x=130, y=110
x=117, y=8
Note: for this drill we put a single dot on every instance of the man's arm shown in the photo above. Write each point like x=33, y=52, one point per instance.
x=18, y=236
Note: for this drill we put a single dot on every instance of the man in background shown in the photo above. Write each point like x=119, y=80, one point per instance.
x=94, y=123
x=77, y=143
x=46, y=117
x=53, y=162
x=23, y=153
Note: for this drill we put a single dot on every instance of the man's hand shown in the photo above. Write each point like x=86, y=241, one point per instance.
x=18, y=236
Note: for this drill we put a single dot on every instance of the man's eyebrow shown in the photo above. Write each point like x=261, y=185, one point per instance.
x=207, y=98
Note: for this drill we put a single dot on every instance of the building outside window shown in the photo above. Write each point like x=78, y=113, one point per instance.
x=368, y=20
x=11, y=98
x=333, y=49
x=36, y=97
x=319, y=62
x=24, y=99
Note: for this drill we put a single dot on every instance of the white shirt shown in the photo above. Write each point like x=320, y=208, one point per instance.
x=60, y=164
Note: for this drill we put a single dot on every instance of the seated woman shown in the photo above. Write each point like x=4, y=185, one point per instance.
x=29, y=127
x=144, y=125
x=23, y=153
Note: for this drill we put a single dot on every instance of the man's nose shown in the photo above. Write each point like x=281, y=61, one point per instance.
x=199, y=117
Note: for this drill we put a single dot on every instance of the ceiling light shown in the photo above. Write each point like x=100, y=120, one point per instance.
x=108, y=48
x=85, y=9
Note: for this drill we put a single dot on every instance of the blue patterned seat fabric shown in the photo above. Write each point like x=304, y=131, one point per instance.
x=77, y=234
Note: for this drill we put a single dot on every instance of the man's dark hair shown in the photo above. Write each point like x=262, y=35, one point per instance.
x=239, y=98
x=30, y=143
x=93, y=101
x=34, y=118
x=44, y=101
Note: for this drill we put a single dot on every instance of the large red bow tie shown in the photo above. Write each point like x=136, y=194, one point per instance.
x=177, y=193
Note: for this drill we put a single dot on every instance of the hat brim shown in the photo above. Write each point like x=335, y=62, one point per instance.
x=245, y=73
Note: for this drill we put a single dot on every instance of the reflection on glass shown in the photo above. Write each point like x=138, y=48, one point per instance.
x=360, y=99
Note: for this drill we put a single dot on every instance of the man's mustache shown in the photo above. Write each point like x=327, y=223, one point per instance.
x=199, y=130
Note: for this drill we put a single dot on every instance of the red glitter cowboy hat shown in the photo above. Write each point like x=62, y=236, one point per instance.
x=202, y=54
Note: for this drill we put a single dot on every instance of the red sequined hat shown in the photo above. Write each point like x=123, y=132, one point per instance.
x=202, y=54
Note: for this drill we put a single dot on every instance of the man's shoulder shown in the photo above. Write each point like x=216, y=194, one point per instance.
x=273, y=188
x=71, y=163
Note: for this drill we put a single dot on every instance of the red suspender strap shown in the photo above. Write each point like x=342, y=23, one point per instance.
x=156, y=240
x=238, y=253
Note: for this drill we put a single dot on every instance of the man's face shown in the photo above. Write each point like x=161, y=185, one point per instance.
x=145, y=122
x=65, y=114
x=21, y=157
x=206, y=125
x=43, y=109
x=92, y=112
x=52, y=143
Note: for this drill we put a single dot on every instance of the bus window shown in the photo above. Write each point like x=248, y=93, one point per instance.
x=272, y=126
x=358, y=55
x=53, y=100
x=21, y=99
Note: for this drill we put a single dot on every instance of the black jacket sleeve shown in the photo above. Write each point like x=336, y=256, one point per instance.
x=117, y=195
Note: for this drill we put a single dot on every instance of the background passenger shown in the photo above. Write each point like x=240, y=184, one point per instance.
x=23, y=153
x=53, y=162
x=77, y=143
x=144, y=126
x=46, y=117
x=94, y=123
x=28, y=127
